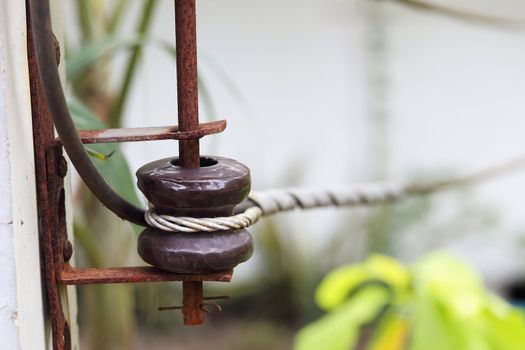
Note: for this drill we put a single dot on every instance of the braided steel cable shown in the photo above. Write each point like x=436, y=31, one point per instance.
x=271, y=202
x=188, y=224
x=265, y=203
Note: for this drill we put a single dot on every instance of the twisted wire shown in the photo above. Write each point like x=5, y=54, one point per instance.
x=188, y=224
x=271, y=202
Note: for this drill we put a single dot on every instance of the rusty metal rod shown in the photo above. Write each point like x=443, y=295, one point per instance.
x=56, y=102
x=187, y=83
x=192, y=301
x=188, y=119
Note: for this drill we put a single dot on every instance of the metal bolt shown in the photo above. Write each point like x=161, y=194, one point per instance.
x=62, y=167
x=67, y=250
x=188, y=107
x=187, y=82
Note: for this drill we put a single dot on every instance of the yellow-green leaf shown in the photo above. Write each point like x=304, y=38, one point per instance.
x=338, y=285
x=340, y=329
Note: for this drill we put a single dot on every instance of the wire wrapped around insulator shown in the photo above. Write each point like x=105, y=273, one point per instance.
x=47, y=65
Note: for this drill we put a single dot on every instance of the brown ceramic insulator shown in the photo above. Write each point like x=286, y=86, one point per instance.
x=212, y=190
x=195, y=253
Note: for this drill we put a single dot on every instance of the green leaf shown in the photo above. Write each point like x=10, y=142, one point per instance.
x=440, y=268
x=85, y=10
x=117, y=14
x=392, y=333
x=339, y=329
x=83, y=117
x=439, y=303
x=433, y=329
x=143, y=26
x=114, y=169
x=98, y=155
x=453, y=306
x=79, y=61
x=451, y=281
x=340, y=283
x=504, y=326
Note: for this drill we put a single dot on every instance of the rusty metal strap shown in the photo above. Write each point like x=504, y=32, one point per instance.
x=75, y=276
x=148, y=133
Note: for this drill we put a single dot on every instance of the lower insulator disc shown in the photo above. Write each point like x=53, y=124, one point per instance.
x=195, y=253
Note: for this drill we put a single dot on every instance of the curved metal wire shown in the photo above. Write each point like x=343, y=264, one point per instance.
x=56, y=103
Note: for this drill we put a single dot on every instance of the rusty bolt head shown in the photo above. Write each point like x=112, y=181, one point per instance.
x=67, y=250
x=62, y=167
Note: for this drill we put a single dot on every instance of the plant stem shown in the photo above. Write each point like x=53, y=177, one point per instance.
x=116, y=16
x=144, y=25
x=85, y=14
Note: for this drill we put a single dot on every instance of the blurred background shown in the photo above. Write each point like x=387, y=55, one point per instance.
x=316, y=93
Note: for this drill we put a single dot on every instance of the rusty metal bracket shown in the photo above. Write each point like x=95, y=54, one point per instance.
x=148, y=133
x=56, y=250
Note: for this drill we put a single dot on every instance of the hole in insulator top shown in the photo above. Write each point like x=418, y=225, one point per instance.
x=204, y=162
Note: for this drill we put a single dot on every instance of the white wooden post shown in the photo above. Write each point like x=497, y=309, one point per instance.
x=24, y=323
x=21, y=302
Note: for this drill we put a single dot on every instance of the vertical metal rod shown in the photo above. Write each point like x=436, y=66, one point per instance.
x=192, y=303
x=47, y=189
x=188, y=115
x=187, y=83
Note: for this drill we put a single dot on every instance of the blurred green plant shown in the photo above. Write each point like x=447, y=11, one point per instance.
x=437, y=303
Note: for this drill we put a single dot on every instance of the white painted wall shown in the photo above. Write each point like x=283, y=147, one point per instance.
x=21, y=308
